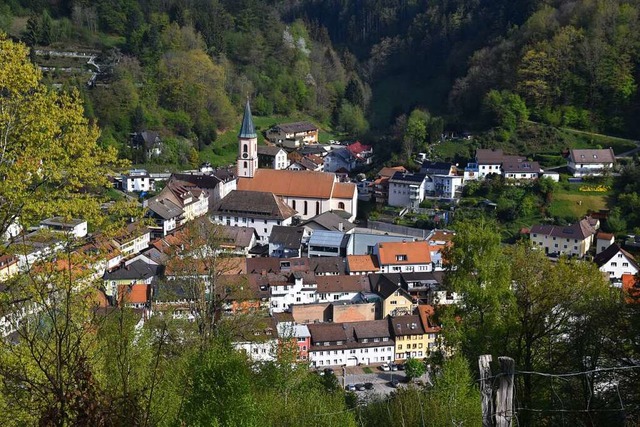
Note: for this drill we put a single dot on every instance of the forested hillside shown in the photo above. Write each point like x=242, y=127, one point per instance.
x=185, y=67
x=573, y=62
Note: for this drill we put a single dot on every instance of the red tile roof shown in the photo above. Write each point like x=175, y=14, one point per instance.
x=414, y=253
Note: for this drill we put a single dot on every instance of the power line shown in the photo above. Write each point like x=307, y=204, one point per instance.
x=573, y=374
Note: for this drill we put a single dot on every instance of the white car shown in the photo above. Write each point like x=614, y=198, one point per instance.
x=385, y=367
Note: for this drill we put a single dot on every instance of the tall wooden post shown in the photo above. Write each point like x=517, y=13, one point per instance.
x=486, y=391
x=504, y=396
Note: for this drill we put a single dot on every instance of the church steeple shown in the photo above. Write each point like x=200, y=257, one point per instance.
x=247, y=146
x=247, y=130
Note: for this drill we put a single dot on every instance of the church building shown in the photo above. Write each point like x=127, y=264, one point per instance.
x=310, y=193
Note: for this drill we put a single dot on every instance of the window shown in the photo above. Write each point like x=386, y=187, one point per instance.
x=625, y=264
x=401, y=257
x=293, y=204
x=244, y=149
x=336, y=297
x=614, y=264
x=305, y=207
x=246, y=165
x=317, y=208
x=399, y=346
x=341, y=205
x=393, y=302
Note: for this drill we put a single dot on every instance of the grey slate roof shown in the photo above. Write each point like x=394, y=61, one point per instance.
x=297, y=127
x=137, y=270
x=254, y=204
x=289, y=237
x=247, y=130
x=269, y=150
x=239, y=236
x=521, y=167
x=592, y=156
x=580, y=230
x=407, y=177
x=330, y=221
x=430, y=167
x=165, y=209
x=406, y=325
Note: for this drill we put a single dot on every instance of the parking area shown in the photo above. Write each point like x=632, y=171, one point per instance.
x=381, y=380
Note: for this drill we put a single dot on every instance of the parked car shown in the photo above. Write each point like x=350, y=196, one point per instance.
x=328, y=371
x=360, y=387
x=400, y=366
x=368, y=386
x=394, y=367
x=385, y=367
x=394, y=383
x=350, y=387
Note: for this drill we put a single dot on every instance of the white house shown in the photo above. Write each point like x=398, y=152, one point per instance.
x=255, y=209
x=585, y=162
x=341, y=288
x=137, y=180
x=603, y=241
x=494, y=161
x=406, y=189
x=350, y=344
x=615, y=261
x=293, y=135
x=132, y=239
x=574, y=240
x=404, y=257
x=446, y=185
x=166, y=215
x=286, y=290
x=272, y=157
x=74, y=227
x=340, y=159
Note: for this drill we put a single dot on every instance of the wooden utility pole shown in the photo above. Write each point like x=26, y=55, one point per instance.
x=486, y=391
x=504, y=396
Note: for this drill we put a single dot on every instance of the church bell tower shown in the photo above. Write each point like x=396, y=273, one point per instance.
x=247, y=146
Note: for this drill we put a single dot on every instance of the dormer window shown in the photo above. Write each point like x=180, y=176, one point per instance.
x=401, y=257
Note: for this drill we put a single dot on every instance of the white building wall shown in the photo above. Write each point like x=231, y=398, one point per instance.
x=551, y=245
x=485, y=169
x=619, y=265
x=282, y=297
x=406, y=268
x=263, y=227
x=400, y=194
x=137, y=183
x=353, y=356
x=586, y=169
x=258, y=351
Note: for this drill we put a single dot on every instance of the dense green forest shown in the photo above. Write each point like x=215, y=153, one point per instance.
x=185, y=66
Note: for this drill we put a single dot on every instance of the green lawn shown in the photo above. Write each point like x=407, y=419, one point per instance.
x=575, y=204
x=579, y=139
x=449, y=150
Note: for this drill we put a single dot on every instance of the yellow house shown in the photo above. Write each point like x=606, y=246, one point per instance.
x=431, y=329
x=395, y=300
x=410, y=337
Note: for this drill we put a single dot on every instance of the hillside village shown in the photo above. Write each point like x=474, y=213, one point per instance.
x=277, y=237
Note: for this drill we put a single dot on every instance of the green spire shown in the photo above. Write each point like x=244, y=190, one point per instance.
x=247, y=130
